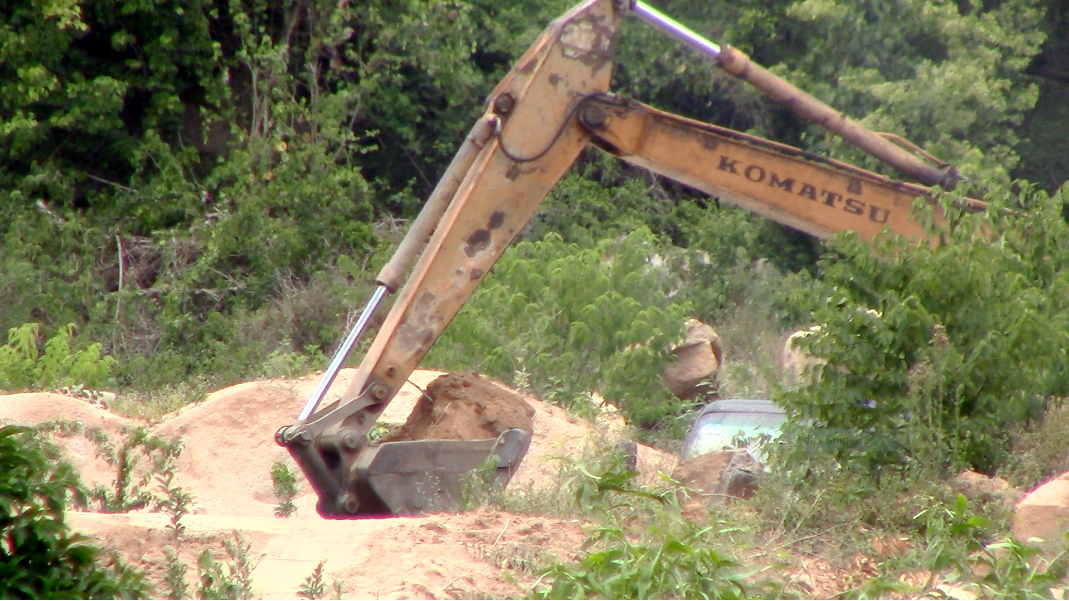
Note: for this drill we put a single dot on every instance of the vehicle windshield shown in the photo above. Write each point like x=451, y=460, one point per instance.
x=720, y=430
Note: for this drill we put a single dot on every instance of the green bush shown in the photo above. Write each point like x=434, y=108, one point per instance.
x=676, y=564
x=22, y=367
x=40, y=558
x=569, y=320
x=940, y=352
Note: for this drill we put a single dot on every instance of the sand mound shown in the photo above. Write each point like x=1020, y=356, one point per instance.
x=463, y=406
x=228, y=451
x=76, y=429
x=442, y=556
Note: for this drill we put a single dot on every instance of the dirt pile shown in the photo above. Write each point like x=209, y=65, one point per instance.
x=1044, y=513
x=428, y=557
x=228, y=441
x=77, y=427
x=464, y=406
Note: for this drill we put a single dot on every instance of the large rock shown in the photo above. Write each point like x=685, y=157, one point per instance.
x=719, y=476
x=697, y=361
x=798, y=365
x=1044, y=513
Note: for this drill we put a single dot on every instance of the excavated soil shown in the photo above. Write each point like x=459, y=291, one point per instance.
x=464, y=406
x=228, y=450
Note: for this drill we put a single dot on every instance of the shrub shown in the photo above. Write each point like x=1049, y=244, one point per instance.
x=23, y=367
x=40, y=557
x=940, y=351
x=575, y=320
x=663, y=565
x=284, y=483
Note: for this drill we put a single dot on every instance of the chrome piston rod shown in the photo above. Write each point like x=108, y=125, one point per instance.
x=343, y=351
x=674, y=29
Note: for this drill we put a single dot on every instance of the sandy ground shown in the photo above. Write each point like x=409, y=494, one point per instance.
x=229, y=448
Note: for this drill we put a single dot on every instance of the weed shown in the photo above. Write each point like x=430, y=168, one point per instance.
x=232, y=581
x=950, y=533
x=313, y=587
x=130, y=493
x=1041, y=450
x=175, y=501
x=284, y=483
x=378, y=432
x=672, y=559
x=284, y=364
x=519, y=557
x=337, y=589
x=174, y=575
x=155, y=404
x=1016, y=570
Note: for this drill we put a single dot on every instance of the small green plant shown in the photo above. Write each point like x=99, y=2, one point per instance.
x=478, y=487
x=174, y=575
x=337, y=589
x=378, y=432
x=285, y=364
x=284, y=483
x=230, y=581
x=152, y=404
x=175, y=500
x=1016, y=570
x=672, y=560
x=951, y=533
x=313, y=587
x=130, y=492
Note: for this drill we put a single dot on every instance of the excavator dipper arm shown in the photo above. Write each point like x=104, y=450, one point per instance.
x=814, y=194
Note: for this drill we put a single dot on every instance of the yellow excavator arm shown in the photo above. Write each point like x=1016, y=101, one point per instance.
x=539, y=118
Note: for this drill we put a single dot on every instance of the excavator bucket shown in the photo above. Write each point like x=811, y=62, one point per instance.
x=403, y=477
x=463, y=428
x=429, y=475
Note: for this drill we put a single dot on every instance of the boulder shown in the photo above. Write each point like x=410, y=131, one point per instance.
x=1044, y=513
x=719, y=476
x=696, y=363
x=797, y=363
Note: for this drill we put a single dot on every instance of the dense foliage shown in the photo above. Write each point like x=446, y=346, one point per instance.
x=565, y=321
x=199, y=190
x=172, y=171
x=938, y=352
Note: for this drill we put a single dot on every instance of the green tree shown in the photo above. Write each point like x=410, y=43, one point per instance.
x=568, y=320
x=937, y=352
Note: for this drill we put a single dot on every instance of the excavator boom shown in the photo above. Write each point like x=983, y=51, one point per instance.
x=540, y=117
